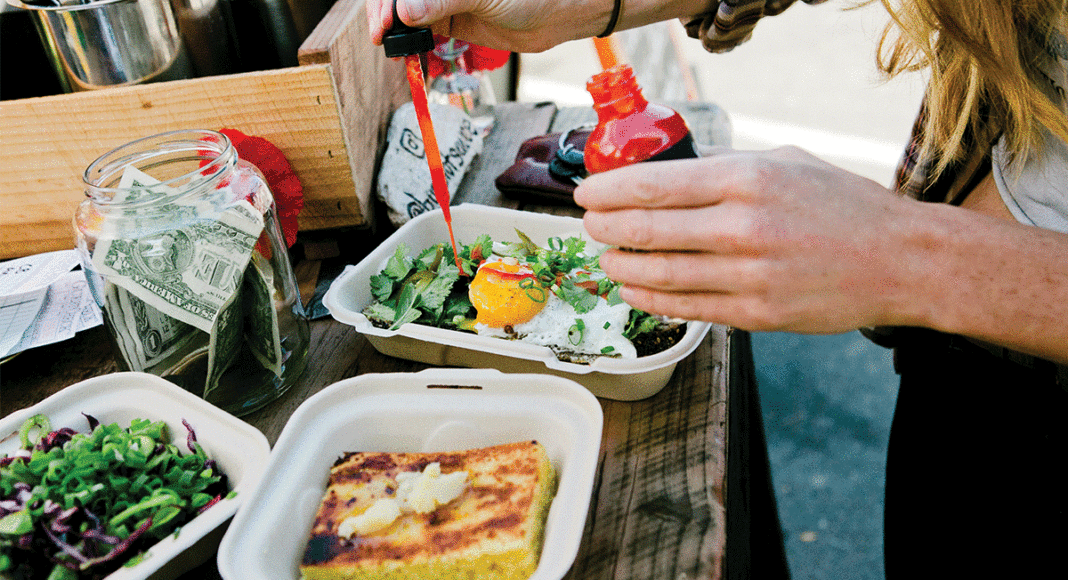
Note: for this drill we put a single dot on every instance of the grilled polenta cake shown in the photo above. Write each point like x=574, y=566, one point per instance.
x=491, y=531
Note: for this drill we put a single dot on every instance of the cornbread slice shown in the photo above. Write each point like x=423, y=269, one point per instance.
x=492, y=531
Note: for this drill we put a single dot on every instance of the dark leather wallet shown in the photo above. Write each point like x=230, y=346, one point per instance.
x=546, y=168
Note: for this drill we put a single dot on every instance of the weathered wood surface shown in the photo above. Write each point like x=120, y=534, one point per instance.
x=658, y=505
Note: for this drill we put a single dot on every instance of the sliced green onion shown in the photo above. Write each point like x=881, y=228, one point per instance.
x=537, y=294
x=16, y=524
x=576, y=332
x=534, y=292
x=43, y=428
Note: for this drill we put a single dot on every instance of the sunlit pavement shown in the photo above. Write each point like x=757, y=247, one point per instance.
x=807, y=78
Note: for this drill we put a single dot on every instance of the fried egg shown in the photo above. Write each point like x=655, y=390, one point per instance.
x=512, y=303
x=506, y=293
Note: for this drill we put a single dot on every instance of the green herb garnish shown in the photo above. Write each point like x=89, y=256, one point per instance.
x=84, y=503
x=429, y=289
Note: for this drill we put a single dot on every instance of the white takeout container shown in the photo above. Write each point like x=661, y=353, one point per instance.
x=433, y=410
x=611, y=378
x=239, y=449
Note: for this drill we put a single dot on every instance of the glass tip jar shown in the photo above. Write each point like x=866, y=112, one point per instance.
x=181, y=246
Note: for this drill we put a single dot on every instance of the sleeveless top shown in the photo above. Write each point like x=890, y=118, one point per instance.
x=1036, y=190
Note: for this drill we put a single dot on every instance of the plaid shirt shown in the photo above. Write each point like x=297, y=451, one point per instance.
x=729, y=23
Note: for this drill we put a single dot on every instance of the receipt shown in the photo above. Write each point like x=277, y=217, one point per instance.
x=43, y=301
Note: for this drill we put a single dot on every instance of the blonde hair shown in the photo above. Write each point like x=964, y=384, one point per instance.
x=981, y=55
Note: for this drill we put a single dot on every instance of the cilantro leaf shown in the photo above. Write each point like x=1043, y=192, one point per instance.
x=579, y=298
x=399, y=264
x=410, y=315
x=574, y=246
x=381, y=287
x=406, y=309
x=435, y=293
x=458, y=304
x=381, y=312
x=640, y=323
x=430, y=258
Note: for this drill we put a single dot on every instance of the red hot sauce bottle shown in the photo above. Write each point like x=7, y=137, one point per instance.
x=630, y=129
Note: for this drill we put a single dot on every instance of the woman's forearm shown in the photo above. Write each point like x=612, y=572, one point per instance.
x=638, y=13
x=781, y=240
x=525, y=25
x=989, y=279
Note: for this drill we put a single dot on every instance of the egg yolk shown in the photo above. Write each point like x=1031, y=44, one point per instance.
x=506, y=294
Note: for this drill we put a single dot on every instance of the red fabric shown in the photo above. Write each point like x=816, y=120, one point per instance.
x=283, y=181
x=472, y=57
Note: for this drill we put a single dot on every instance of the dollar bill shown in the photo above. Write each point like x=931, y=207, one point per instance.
x=225, y=343
x=264, y=338
x=187, y=272
x=146, y=337
x=113, y=317
x=136, y=185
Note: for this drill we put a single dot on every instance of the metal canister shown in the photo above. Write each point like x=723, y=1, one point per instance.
x=107, y=43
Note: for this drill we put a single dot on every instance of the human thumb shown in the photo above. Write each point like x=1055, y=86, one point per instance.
x=426, y=12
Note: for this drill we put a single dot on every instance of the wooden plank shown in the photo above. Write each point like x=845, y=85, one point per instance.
x=369, y=88
x=49, y=141
x=329, y=118
x=36, y=374
x=658, y=508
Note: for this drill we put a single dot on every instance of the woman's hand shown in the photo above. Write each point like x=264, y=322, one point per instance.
x=773, y=240
x=517, y=25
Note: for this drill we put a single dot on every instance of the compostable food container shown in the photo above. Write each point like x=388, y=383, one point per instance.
x=611, y=378
x=238, y=448
x=429, y=411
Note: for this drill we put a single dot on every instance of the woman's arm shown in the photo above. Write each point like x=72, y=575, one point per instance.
x=1010, y=280
x=783, y=241
x=524, y=25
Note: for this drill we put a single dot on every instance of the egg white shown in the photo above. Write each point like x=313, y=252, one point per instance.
x=603, y=328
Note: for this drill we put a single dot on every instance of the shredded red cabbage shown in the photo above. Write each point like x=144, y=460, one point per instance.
x=76, y=506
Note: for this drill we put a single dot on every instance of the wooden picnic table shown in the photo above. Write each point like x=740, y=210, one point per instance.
x=682, y=477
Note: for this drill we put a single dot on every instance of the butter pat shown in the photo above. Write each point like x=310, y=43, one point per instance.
x=416, y=492
x=379, y=516
x=424, y=492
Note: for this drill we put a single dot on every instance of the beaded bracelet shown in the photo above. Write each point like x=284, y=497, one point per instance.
x=617, y=9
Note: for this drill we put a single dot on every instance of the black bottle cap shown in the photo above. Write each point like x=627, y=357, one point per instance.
x=402, y=40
